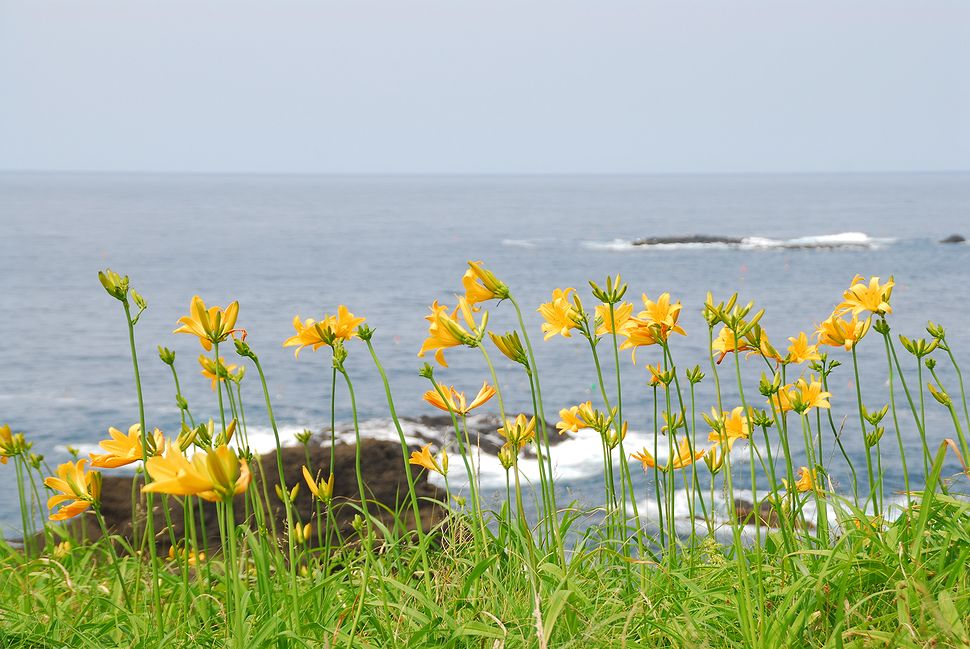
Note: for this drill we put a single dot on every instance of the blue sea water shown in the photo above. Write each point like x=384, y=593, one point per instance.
x=388, y=246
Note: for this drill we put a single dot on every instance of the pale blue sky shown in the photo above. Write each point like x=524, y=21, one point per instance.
x=469, y=86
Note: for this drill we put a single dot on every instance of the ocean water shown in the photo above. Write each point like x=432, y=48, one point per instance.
x=388, y=246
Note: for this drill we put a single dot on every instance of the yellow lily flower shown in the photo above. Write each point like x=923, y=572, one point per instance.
x=682, y=457
x=802, y=396
x=800, y=351
x=663, y=314
x=575, y=418
x=79, y=489
x=343, y=325
x=425, y=459
x=444, y=331
x=560, y=314
x=123, y=449
x=215, y=372
x=518, y=431
x=212, y=325
x=481, y=285
x=191, y=557
x=657, y=375
x=307, y=335
x=726, y=344
x=455, y=401
x=321, y=490
x=735, y=426
x=10, y=444
x=621, y=314
x=837, y=332
x=807, y=481
x=310, y=333
x=873, y=297
x=215, y=475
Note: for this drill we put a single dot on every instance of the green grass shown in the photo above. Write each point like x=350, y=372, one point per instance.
x=904, y=586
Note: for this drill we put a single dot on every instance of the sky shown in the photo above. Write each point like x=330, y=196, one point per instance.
x=485, y=86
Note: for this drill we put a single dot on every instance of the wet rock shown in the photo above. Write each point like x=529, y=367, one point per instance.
x=692, y=238
x=382, y=470
x=954, y=238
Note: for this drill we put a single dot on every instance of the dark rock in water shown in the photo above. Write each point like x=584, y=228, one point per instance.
x=954, y=238
x=382, y=468
x=693, y=238
x=482, y=431
x=767, y=513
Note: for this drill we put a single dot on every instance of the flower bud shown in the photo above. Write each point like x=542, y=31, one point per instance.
x=881, y=326
x=138, y=300
x=694, y=375
x=166, y=354
x=113, y=283
x=941, y=396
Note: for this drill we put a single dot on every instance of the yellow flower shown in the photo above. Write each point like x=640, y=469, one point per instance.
x=621, y=313
x=735, y=426
x=873, y=297
x=191, y=557
x=215, y=475
x=481, y=285
x=800, y=351
x=663, y=314
x=837, y=332
x=645, y=458
x=454, y=401
x=560, y=314
x=802, y=396
x=343, y=325
x=807, y=481
x=321, y=490
x=519, y=431
x=425, y=459
x=576, y=418
x=444, y=331
x=726, y=343
x=310, y=333
x=79, y=489
x=657, y=375
x=638, y=333
x=682, y=457
x=213, y=372
x=10, y=444
x=124, y=449
x=212, y=325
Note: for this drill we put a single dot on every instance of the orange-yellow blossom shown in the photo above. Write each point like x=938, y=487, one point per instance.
x=210, y=325
x=214, y=475
x=123, y=449
x=735, y=425
x=444, y=331
x=454, y=400
x=575, y=418
x=621, y=314
x=872, y=297
x=79, y=489
x=800, y=351
x=682, y=457
x=560, y=314
x=837, y=332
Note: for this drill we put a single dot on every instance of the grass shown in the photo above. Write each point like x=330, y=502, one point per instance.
x=854, y=576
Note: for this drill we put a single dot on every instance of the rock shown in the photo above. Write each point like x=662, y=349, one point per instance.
x=382, y=469
x=767, y=513
x=954, y=238
x=693, y=238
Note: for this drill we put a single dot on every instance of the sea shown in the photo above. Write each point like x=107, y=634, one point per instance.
x=387, y=247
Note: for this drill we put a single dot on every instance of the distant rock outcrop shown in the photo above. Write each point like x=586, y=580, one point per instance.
x=954, y=238
x=691, y=238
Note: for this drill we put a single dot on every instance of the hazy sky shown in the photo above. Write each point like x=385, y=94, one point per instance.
x=485, y=85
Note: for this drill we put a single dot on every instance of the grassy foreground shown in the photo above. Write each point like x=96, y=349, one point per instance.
x=856, y=574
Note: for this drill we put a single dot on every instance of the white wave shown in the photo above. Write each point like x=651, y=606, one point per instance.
x=519, y=243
